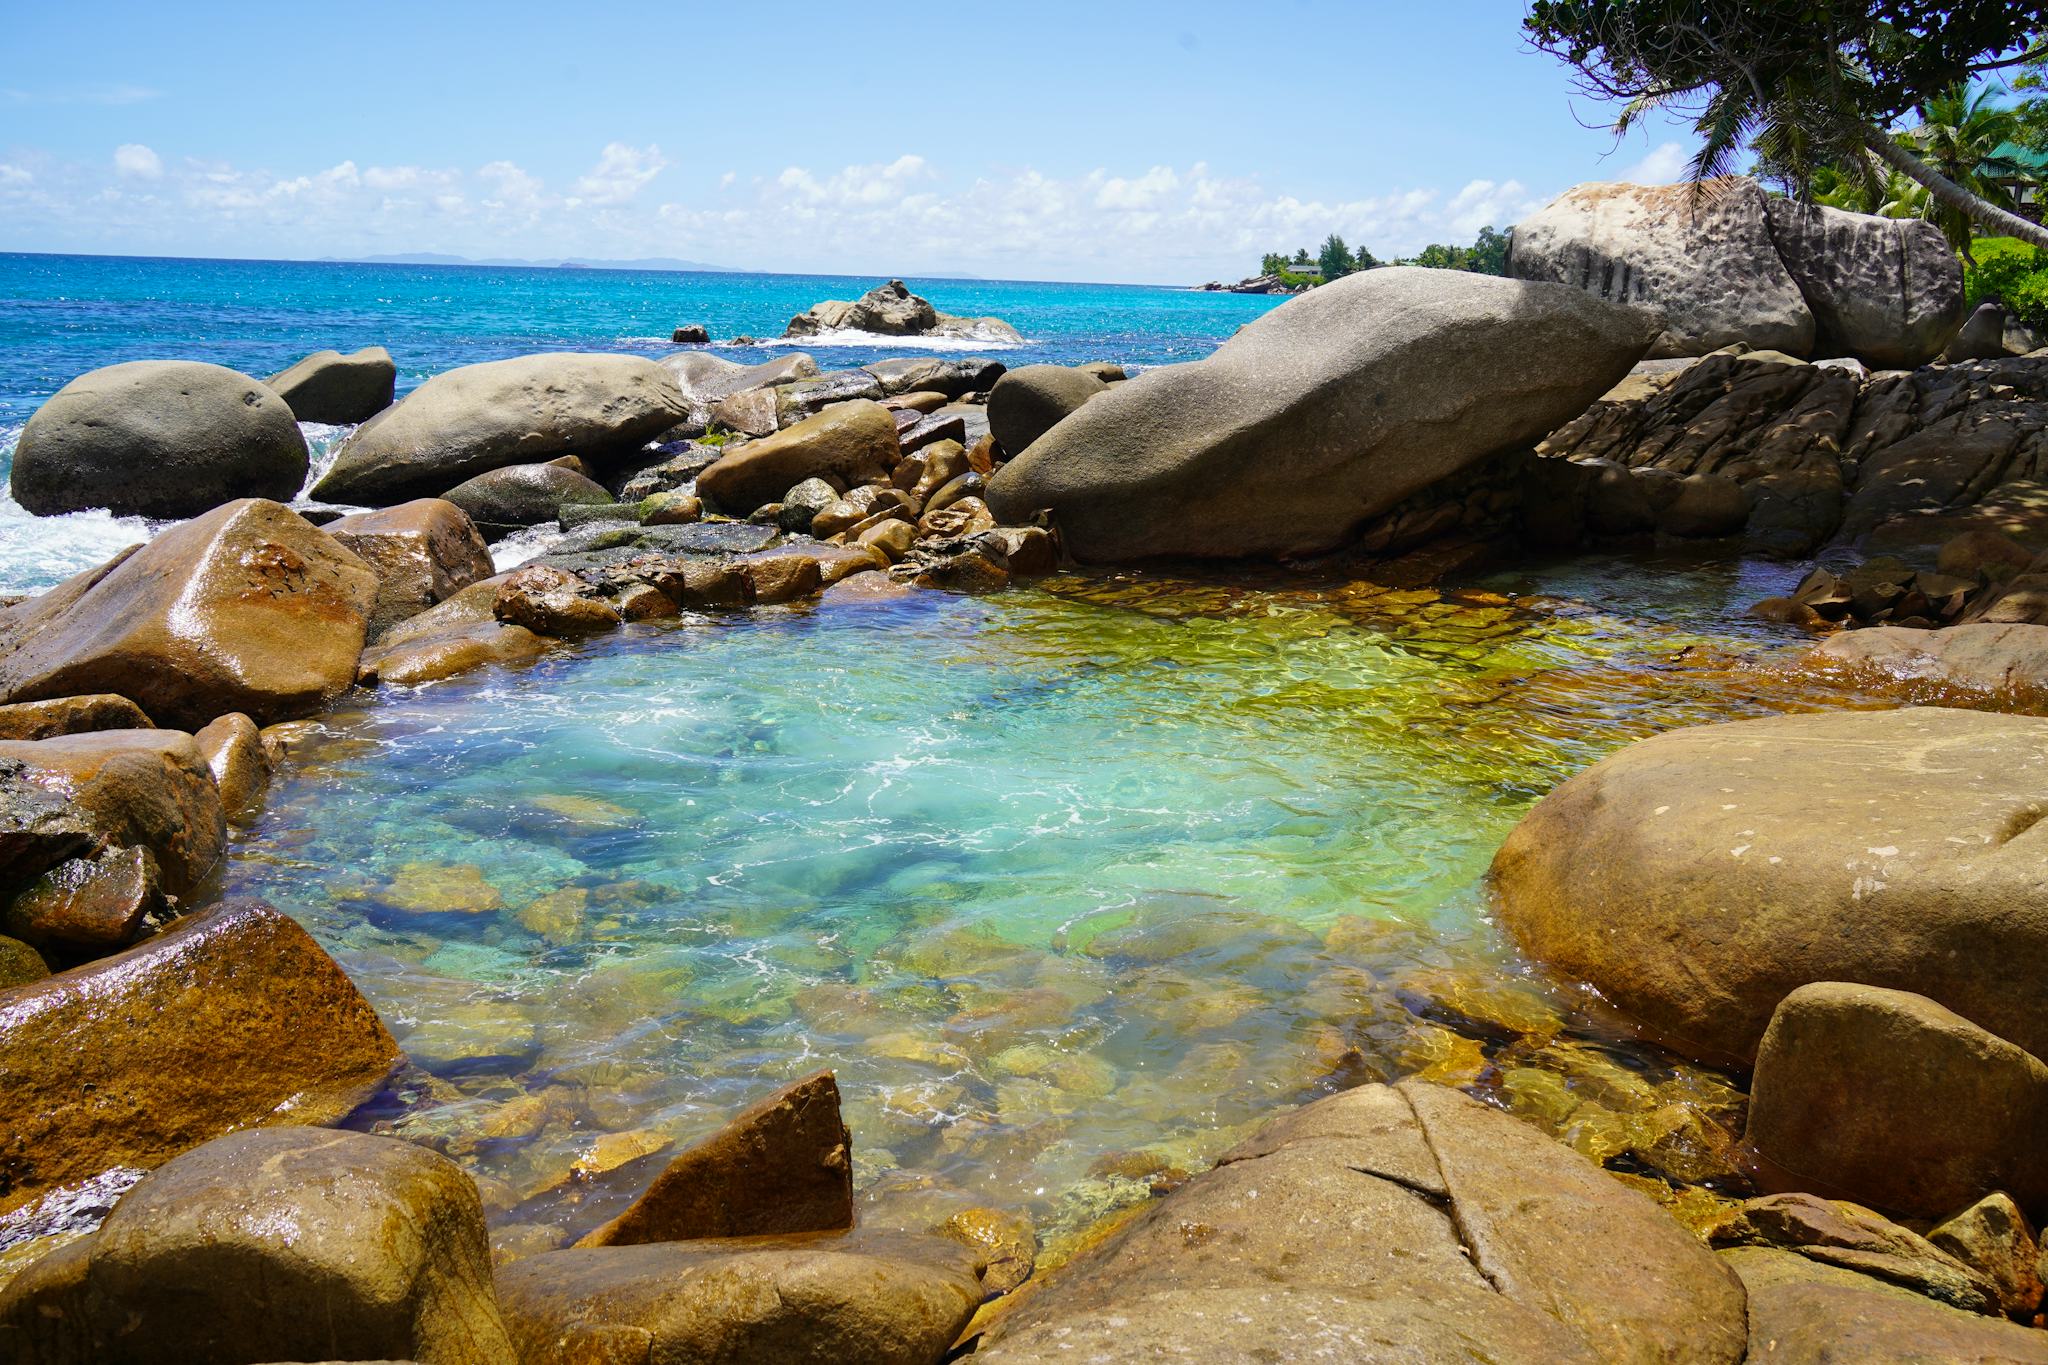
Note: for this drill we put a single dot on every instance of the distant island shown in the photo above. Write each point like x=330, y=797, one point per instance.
x=565, y=263
x=1296, y=274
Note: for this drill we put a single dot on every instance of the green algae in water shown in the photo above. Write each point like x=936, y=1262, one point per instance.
x=1070, y=885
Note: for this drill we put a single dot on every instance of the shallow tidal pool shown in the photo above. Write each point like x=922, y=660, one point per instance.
x=1069, y=885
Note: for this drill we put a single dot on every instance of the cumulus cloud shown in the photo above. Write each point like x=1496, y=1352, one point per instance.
x=137, y=161
x=621, y=172
x=1664, y=164
x=904, y=214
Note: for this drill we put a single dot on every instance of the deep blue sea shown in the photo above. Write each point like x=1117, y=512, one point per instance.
x=63, y=315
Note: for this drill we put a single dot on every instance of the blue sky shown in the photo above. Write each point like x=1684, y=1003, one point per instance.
x=1131, y=141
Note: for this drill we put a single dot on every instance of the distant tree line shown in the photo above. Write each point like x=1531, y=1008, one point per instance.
x=1488, y=255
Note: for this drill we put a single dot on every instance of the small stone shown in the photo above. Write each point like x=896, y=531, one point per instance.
x=892, y=537
x=671, y=509
x=19, y=963
x=781, y=577
x=1993, y=1238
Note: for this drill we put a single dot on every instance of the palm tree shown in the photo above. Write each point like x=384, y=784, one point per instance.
x=1959, y=135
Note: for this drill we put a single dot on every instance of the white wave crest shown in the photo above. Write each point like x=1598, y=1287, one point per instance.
x=521, y=546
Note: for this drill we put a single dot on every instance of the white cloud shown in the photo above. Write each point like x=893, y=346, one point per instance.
x=1664, y=164
x=511, y=187
x=137, y=161
x=85, y=94
x=1145, y=192
x=620, y=174
x=15, y=175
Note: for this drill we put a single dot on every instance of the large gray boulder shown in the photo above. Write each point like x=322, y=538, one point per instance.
x=1028, y=402
x=504, y=500
x=1700, y=876
x=704, y=378
x=1703, y=260
x=1320, y=415
x=1400, y=1223
x=1888, y=291
x=158, y=438
x=328, y=386
x=483, y=417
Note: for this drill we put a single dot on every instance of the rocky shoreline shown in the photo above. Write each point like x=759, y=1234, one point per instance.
x=1846, y=908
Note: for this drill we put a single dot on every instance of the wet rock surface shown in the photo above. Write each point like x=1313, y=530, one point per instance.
x=423, y=552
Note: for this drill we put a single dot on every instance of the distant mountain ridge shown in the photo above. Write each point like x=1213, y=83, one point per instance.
x=571, y=262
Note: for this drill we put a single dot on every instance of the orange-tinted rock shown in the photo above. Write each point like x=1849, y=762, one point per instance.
x=233, y=749
x=782, y=1165
x=70, y=716
x=781, y=577
x=549, y=602
x=853, y=441
x=145, y=788
x=839, y=562
x=231, y=1018
x=86, y=906
x=249, y=608
x=424, y=552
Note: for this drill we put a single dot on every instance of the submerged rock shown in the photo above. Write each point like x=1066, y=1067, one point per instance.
x=328, y=386
x=1410, y=1218
x=249, y=608
x=875, y=1298
x=1319, y=416
x=157, y=438
x=231, y=1018
x=477, y=418
x=2009, y=661
x=1700, y=876
x=782, y=1165
x=1888, y=1098
x=278, y=1244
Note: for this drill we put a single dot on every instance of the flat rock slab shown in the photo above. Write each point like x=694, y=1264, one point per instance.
x=1395, y=1223
x=1805, y=1313
x=231, y=1018
x=1700, y=876
x=2008, y=660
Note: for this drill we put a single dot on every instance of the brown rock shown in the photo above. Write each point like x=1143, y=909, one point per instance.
x=1983, y=553
x=249, y=608
x=1008, y=1244
x=1853, y=1237
x=19, y=963
x=837, y=563
x=1408, y=1218
x=2010, y=661
x=70, y=716
x=967, y=517
x=550, y=602
x=456, y=650
x=1030, y=551
x=891, y=537
x=118, y=1063
x=643, y=602
x=918, y=401
x=852, y=441
x=424, y=552
x=283, y=1243
x=233, y=749
x=144, y=788
x=1888, y=1098
x=781, y=577
x=1994, y=1239
x=878, y=1299
x=1802, y=1312
x=1700, y=876
x=671, y=509
x=87, y=906
x=782, y=1165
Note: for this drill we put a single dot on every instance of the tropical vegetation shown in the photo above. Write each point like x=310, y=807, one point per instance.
x=1488, y=255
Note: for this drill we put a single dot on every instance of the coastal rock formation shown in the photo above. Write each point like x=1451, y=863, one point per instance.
x=1701, y=258
x=1320, y=415
x=936, y=374
x=892, y=310
x=851, y=441
x=477, y=418
x=328, y=386
x=277, y=1244
x=1805, y=1312
x=504, y=500
x=876, y=1298
x=782, y=1165
x=249, y=608
x=1900, y=459
x=1888, y=1098
x=1888, y=291
x=1028, y=402
x=1834, y=1232
x=158, y=438
x=1409, y=1217
x=1700, y=876
x=146, y=789
x=233, y=749
x=1724, y=263
x=1994, y=1239
x=231, y=1018
x=423, y=552
x=705, y=379
x=2005, y=661
x=70, y=716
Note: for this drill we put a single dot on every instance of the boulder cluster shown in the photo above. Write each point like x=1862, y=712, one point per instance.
x=891, y=310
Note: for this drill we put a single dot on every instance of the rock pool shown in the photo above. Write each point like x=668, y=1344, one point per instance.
x=1069, y=884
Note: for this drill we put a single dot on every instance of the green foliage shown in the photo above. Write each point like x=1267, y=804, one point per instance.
x=1334, y=258
x=1959, y=134
x=1272, y=263
x=2012, y=272
x=1486, y=256
x=1364, y=260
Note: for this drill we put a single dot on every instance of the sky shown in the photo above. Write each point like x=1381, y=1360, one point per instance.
x=1132, y=141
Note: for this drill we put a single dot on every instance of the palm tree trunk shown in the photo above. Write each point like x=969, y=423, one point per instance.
x=1955, y=196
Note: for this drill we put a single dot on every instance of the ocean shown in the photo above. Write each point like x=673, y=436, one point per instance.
x=63, y=315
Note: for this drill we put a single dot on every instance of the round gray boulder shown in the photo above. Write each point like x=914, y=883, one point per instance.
x=523, y=495
x=328, y=386
x=158, y=438
x=1026, y=403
